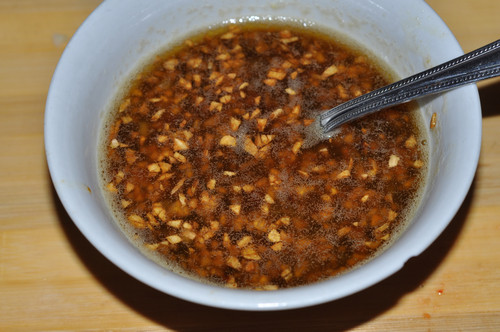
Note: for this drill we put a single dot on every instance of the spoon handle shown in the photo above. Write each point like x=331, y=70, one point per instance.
x=477, y=65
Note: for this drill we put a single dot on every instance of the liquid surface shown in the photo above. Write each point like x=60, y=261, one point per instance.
x=205, y=159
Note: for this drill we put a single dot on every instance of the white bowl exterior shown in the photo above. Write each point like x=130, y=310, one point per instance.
x=120, y=34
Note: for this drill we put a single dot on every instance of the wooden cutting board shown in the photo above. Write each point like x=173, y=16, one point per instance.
x=51, y=278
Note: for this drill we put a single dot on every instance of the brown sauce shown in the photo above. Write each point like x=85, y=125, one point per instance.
x=205, y=161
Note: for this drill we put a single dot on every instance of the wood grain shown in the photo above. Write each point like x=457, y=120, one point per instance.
x=51, y=278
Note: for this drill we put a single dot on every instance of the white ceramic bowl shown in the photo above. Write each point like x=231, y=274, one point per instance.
x=120, y=34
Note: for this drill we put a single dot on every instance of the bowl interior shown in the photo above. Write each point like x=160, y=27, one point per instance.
x=121, y=34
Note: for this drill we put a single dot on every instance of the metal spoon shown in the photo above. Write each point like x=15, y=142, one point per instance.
x=477, y=65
